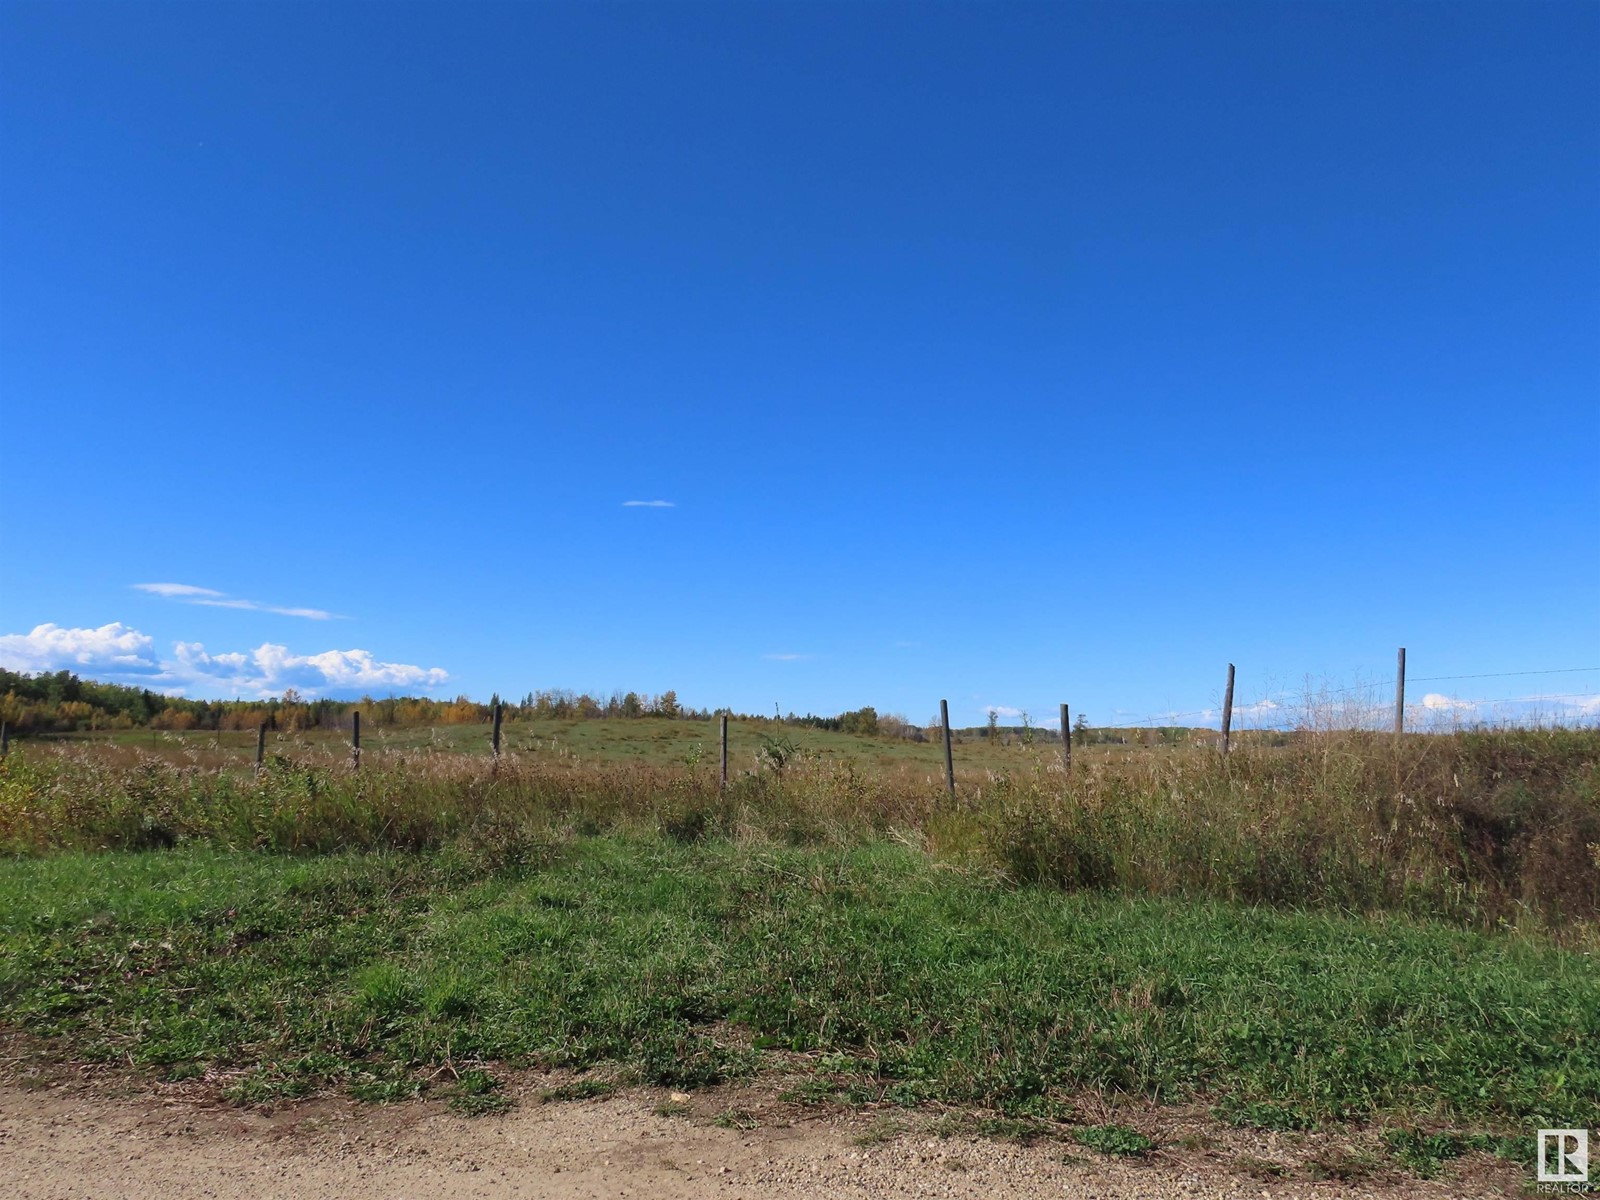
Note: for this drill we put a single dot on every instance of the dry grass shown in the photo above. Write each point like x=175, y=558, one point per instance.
x=1477, y=828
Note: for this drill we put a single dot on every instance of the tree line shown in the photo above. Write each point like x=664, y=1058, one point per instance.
x=61, y=702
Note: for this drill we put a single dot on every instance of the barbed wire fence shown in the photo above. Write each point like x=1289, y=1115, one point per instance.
x=1368, y=706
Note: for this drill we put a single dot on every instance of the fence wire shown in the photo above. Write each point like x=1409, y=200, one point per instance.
x=1316, y=707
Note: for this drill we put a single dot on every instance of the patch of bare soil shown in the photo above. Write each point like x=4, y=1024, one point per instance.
x=76, y=1134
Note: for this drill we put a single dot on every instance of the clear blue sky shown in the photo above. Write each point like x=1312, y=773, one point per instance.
x=1014, y=354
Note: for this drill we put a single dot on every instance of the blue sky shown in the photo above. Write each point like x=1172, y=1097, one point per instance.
x=1014, y=354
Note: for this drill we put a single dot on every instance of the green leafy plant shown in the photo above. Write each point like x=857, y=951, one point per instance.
x=1424, y=1153
x=1115, y=1139
x=477, y=1093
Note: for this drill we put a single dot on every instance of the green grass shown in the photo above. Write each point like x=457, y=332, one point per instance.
x=477, y=1093
x=1479, y=829
x=1115, y=1139
x=908, y=982
x=1423, y=1152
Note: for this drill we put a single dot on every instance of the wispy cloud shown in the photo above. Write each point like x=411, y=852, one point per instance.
x=785, y=657
x=1434, y=702
x=175, y=589
x=310, y=614
x=118, y=654
x=649, y=504
x=188, y=593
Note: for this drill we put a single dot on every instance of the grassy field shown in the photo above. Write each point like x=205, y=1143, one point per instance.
x=650, y=741
x=688, y=964
x=1482, y=829
x=1341, y=929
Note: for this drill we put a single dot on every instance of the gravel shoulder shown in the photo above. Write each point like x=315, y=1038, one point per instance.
x=82, y=1135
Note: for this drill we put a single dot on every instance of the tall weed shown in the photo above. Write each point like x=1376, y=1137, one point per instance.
x=1480, y=828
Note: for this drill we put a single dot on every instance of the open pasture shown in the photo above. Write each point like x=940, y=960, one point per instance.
x=1343, y=928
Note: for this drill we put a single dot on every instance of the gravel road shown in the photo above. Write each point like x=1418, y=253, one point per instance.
x=63, y=1139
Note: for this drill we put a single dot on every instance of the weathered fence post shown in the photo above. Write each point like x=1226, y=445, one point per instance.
x=1400, y=695
x=261, y=745
x=1066, y=739
x=1227, y=711
x=497, y=729
x=722, y=783
x=5, y=740
x=949, y=759
x=355, y=741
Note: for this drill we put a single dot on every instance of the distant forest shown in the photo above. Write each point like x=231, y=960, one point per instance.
x=60, y=702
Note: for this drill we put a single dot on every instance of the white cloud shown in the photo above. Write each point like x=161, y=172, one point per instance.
x=1002, y=710
x=648, y=504
x=1513, y=710
x=111, y=648
x=1261, y=708
x=118, y=654
x=175, y=589
x=310, y=614
x=269, y=669
x=1580, y=704
x=211, y=598
x=785, y=657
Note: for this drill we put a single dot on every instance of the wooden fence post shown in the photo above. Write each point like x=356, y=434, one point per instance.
x=261, y=745
x=949, y=759
x=355, y=741
x=722, y=784
x=1400, y=695
x=5, y=740
x=497, y=729
x=1066, y=739
x=1227, y=711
